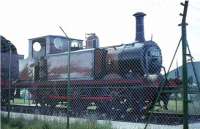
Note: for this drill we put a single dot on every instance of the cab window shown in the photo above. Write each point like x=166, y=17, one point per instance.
x=58, y=45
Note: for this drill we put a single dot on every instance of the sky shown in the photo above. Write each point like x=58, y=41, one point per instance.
x=111, y=20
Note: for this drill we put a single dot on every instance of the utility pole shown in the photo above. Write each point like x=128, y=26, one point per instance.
x=68, y=81
x=184, y=61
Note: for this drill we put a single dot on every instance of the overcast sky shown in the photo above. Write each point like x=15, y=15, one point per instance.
x=111, y=20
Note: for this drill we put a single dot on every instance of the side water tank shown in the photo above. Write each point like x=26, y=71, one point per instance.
x=92, y=41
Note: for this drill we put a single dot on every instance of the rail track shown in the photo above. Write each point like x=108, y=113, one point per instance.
x=156, y=117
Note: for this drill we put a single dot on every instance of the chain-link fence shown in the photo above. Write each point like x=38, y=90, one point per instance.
x=132, y=103
x=125, y=86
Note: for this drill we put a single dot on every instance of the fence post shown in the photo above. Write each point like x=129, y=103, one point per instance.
x=10, y=81
x=29, y=99
x=68, y=80
x=184, y=70
x=24, y=96
x=68, y=86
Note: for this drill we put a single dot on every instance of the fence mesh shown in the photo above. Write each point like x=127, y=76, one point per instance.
x=124, y=86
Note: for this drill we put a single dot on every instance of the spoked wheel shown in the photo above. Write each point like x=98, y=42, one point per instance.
x=119, y=106
x=42, y=101
x=135, y=104
x=52, y=103
x=79, y=107
x=4, y=102
x=104, y=109
x=4, y=97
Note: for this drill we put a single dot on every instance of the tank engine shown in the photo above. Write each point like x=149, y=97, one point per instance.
x=122, y=65
x=94, y=71
x=9, y=69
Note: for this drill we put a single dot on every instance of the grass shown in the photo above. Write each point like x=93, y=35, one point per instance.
x=193, y=106
x=20, y=123
x=177, y=107
x=21, y=101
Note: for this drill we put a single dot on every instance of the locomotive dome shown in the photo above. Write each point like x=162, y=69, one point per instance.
x=92, y=41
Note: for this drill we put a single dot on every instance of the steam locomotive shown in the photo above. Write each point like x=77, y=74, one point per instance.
x=9, y=69
x=94, y=72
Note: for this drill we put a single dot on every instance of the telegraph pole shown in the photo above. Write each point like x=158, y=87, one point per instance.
x=184, y=61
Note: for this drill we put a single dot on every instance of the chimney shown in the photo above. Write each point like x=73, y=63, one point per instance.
x=139, y=26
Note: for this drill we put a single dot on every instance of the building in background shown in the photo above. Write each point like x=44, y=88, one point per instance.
x=191, y=76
